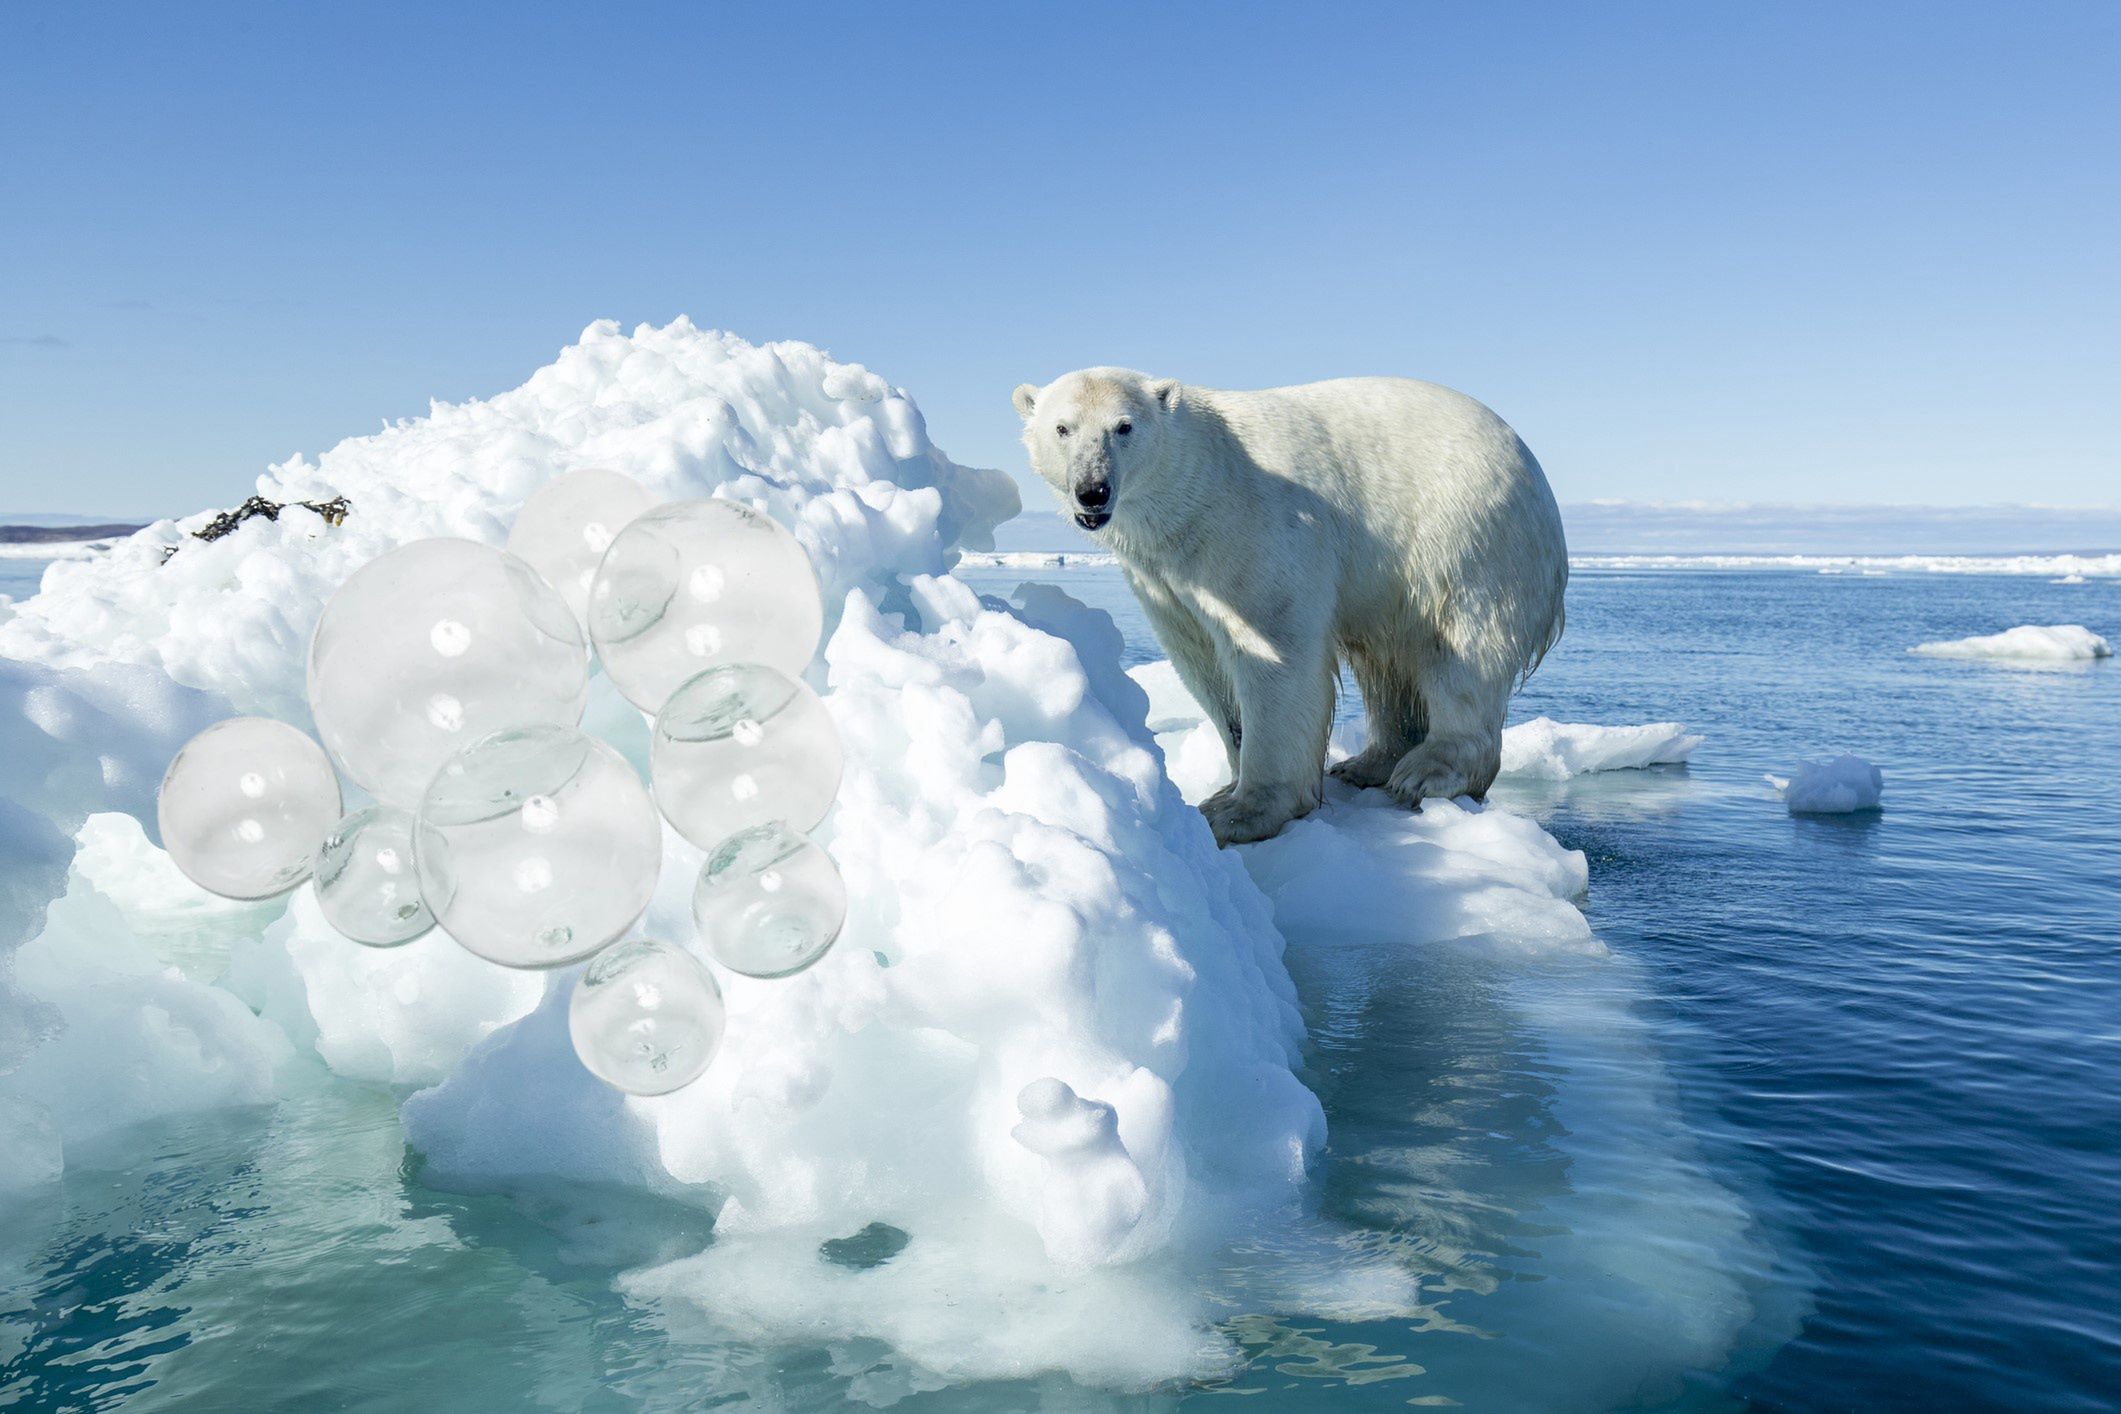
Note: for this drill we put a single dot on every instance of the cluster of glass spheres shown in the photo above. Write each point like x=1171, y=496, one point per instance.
x=448, y=681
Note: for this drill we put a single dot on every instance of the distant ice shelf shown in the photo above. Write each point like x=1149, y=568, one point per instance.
x=2089, y=566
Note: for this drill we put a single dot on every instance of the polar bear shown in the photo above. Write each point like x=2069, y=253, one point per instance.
x=1390, y=524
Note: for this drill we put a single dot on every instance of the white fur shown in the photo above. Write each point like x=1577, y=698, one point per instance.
x=1394, y=525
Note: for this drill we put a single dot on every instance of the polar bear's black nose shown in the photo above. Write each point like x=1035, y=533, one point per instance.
x=1094, y=495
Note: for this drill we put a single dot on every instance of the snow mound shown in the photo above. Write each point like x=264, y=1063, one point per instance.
x=2050, y=643
x=1056, y=1038
x=1841, y=786
x=829, y=449
x=1545, y=749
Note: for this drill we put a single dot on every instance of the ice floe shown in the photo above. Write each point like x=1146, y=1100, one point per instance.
x=2048, y=643
x=1545, y=749
x=1539, y=749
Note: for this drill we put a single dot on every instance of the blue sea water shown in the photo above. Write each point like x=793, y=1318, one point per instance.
x=19, y=577
x=1889, y=1042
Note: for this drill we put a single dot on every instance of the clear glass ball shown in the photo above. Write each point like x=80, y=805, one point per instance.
x=367, y=883
x=646, y=1017
x=741, y=745
x=568, y=523
x=694, y=584
x=244, y=806
x=537, y=846
x=427, y=649
x=769, y=902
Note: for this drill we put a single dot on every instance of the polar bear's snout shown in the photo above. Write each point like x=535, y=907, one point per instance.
x=1093, y=501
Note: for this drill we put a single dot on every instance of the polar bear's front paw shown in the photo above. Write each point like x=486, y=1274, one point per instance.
x=1244, y=819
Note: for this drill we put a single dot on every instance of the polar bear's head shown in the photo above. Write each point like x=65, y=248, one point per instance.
x=1094, y=433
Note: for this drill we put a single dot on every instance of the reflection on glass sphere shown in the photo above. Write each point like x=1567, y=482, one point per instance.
x=244, y=806
x=741, y=745
x=431, y=647
x=566, y=526
x=646, y=1017
x=367, y=884
x=537, y=846
x=769, y=902
x=693, y=584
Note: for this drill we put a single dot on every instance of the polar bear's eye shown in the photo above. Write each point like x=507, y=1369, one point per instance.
x=1060, y=429
x=1124, y=427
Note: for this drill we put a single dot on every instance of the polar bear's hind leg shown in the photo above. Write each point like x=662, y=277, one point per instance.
x=1393, y=711
x=1462, y=752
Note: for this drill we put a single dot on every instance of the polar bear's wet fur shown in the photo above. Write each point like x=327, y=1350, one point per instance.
x=1393, y=525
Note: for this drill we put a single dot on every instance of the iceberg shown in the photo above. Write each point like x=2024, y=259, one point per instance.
x=1052, y=1075
x=2055, y=643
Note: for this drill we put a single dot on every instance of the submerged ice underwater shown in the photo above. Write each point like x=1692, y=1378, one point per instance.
x=1629, y=1089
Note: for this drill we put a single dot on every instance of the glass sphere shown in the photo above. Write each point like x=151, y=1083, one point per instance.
x=431, y=647
x=694, y=584
x=769, y=902
x=367, y=884
x=646, y=1017
x=566, y=526
x=739, y=746
x=245, y=804
x=537, y=846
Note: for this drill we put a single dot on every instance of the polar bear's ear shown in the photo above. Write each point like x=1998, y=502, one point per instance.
x=1025, y=397
x=1165, y=391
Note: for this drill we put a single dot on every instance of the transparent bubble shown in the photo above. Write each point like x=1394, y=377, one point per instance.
x=244, y=806
x=537, y=846
x=739, y=746
x=769, y=902
x=431, y=647
x=695, y=584
x=367, y=883
x=564, y=529
x=646, y=1017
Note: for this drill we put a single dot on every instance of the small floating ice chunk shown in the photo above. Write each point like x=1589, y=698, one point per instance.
x=2049, y=643
x=1842, y=786
x=1557, y=751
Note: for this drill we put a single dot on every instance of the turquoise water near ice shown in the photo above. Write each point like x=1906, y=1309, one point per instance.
x=1847, y=1093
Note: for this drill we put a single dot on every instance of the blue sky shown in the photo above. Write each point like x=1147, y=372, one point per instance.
x=1735, y=252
